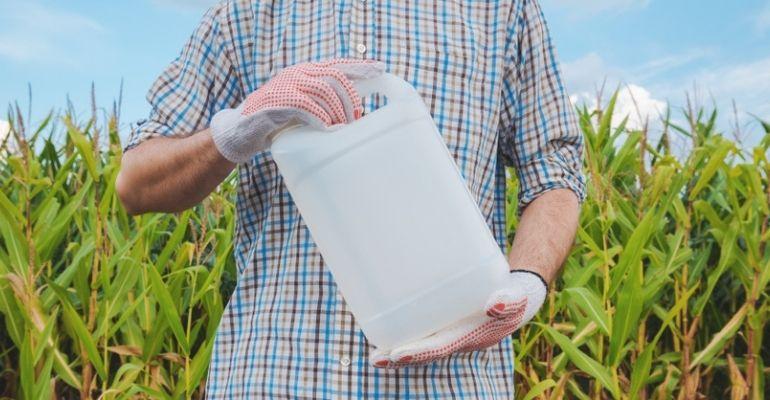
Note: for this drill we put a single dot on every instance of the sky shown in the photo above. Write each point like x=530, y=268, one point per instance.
x=654, y=51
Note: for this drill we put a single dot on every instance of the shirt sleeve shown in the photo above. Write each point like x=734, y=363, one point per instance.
x=539, y=135
x=199, y=82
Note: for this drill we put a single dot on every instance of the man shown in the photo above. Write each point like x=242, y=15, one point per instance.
x=487, y=72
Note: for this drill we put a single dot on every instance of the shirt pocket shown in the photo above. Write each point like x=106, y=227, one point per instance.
x=451, y=63
x=453, y=73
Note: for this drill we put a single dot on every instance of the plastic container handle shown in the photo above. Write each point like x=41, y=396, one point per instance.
x=393, y=87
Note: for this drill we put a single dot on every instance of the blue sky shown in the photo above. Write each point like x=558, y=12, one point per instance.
x=654, y=49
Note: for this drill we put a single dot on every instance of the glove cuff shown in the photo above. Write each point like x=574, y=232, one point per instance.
x=223, y=127
x=531, y=285
x=545, y=284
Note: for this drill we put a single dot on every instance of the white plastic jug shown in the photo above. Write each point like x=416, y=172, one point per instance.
x=395, y=223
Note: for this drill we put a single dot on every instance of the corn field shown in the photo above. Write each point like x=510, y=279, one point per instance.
x=664, y=296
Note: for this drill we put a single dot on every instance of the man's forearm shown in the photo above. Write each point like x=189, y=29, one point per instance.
x=546, y=233
x=170, y=174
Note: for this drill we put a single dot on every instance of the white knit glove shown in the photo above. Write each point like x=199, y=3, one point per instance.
x=319, y=94
x=506, y=311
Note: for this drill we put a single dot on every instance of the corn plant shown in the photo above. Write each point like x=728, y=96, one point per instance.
x=664, y=296
x=94, y=303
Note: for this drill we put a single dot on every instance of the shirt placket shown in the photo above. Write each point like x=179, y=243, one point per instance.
x=359, y=38
x=358, y=47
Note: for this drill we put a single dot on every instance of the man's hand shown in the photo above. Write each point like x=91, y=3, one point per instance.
x=171, y=174
x=543, y=240
x=506, y=311
x=319, y=94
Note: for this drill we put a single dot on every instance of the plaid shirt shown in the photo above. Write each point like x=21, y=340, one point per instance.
x=487, y=72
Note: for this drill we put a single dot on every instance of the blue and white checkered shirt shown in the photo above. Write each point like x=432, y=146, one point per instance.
x=487, y=72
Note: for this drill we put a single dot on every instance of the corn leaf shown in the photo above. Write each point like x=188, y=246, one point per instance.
x=719, y=340
x=583, y=361
x=591, y=305
x=83, y=337
x=539, y=388
x=168, y=308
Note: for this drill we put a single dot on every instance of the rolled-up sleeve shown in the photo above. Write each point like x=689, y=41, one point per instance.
x=539, y=135
x=197, y=84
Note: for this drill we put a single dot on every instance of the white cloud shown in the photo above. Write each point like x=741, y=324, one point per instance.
x=30, y=32
x=585, y=77
x=638, y=104
x=634, y=102
x=653, y=86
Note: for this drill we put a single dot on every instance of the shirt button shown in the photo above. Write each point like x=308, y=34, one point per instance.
x=361, y=48
x=345, y=361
